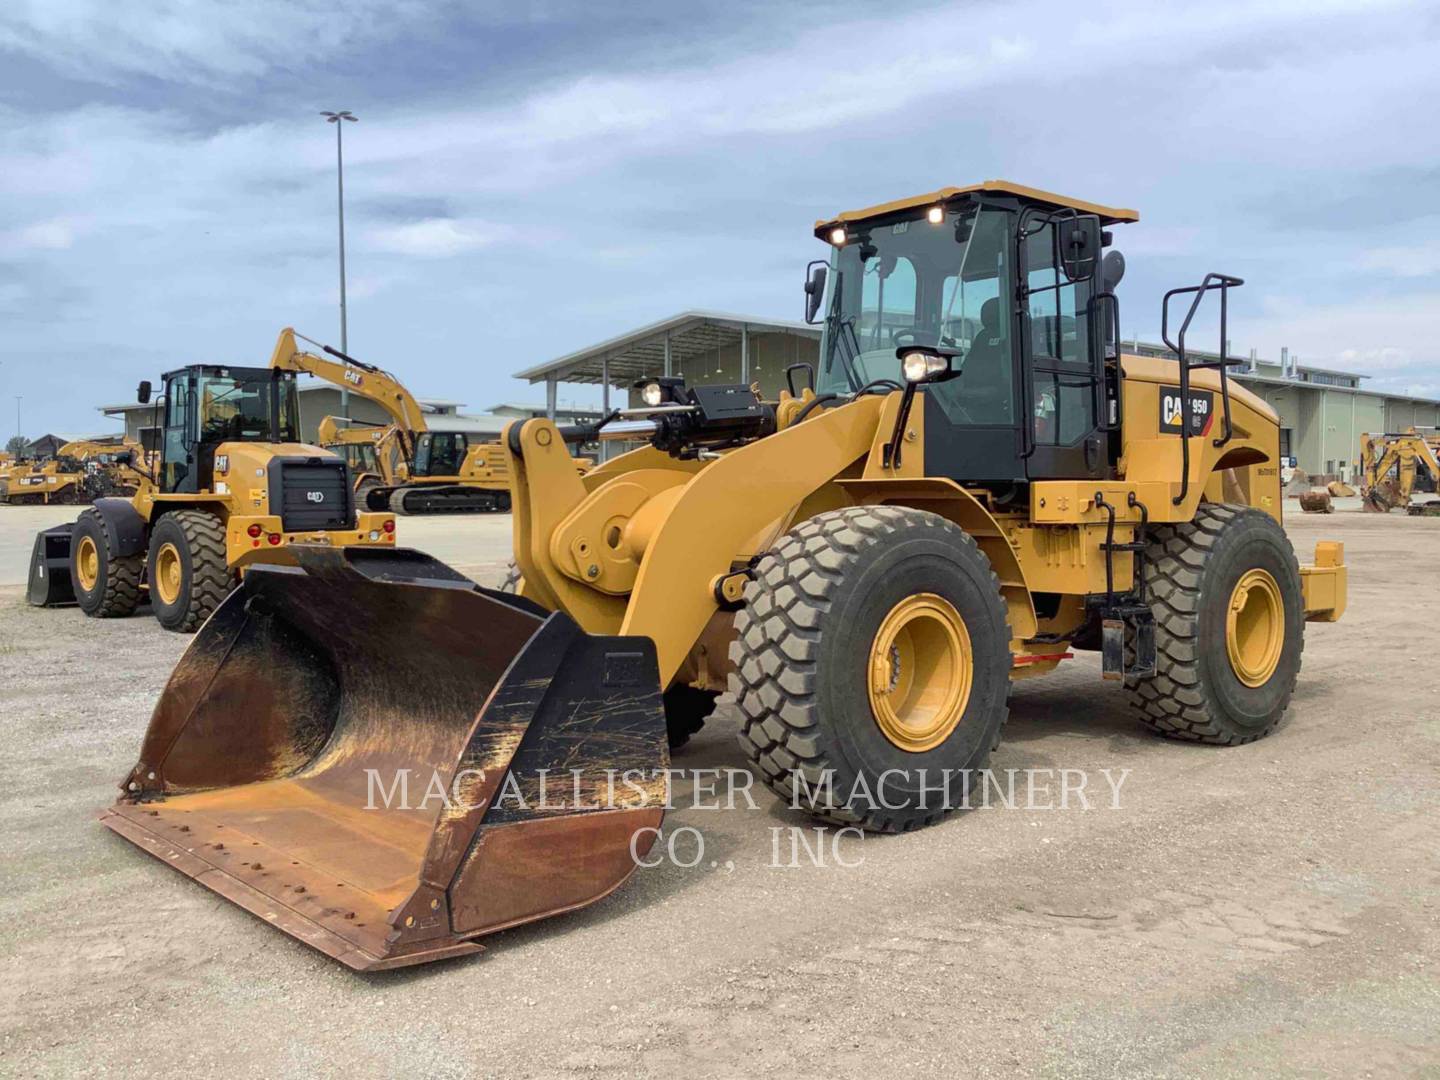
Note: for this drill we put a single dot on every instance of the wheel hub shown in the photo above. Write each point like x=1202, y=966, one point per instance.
x=1255, y=627
x=168, y=572
x=87, y=563
x=920, y=672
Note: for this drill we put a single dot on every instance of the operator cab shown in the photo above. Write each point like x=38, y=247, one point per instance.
x=439, y=453
x=361, y=457
x=206, y=405
x=997, y=296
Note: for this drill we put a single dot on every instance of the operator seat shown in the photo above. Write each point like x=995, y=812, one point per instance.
x=986, y=376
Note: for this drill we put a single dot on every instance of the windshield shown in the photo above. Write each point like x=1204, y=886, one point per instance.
x=361, y=457
x=253, y=408
x=914, y=283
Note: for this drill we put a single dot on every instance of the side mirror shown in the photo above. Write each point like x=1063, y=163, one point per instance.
x=1080, y=243
x=142, y=393
x=817, y=273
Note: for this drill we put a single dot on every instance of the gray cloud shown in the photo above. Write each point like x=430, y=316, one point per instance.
x=523, y=184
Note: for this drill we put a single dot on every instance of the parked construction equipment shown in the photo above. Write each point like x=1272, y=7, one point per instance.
x=973, y=484
x=80, y=472
x=1393, y=466
x=442, y=471
x=233, y=486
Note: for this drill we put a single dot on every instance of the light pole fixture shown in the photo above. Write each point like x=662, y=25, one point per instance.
x=336, y=118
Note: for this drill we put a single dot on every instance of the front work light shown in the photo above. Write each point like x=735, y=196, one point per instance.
x=837, y=237
x=919, y=366
x=652, y=394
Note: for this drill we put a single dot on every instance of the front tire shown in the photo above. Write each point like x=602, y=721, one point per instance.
x=188, y=571
x=872, y=659
x=1229, y=627
x=106, y=585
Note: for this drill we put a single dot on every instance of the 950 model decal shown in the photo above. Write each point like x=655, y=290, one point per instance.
x=1202, y=410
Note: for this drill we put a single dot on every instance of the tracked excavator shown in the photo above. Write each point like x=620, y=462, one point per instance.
x=972, y=485
x=431, y=472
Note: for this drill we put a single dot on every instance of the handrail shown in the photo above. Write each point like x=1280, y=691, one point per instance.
x=1211, y=281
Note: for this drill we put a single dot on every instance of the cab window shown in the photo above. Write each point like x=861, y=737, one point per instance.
x=1063, y=369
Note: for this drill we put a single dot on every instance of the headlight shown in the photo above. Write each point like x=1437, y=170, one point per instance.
x=919, y=366
x=652, y=395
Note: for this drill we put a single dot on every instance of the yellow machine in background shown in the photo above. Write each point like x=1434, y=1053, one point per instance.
x=233, y=486
x=1391, y=466
x=427, y=472
x=80, y=471
x=974, y=485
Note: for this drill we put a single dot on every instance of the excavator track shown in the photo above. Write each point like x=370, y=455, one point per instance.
x=439, y=499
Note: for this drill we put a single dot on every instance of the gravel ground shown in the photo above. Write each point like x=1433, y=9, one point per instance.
x=1271, y=909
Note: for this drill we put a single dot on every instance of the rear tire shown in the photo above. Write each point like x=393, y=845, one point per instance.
x=820, y=681
x=113, y=589
x=188, y=571
x=1205, y=689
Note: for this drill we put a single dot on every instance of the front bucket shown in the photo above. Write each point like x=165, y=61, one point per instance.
x=386, y=761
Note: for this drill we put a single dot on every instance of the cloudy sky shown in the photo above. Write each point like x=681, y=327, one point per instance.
x=526, y=179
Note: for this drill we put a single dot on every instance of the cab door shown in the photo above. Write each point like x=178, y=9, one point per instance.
x=177, y=466
x=1062, y=361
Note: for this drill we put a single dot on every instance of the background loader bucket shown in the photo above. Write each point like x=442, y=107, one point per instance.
x=49, y=584
x=385, y=760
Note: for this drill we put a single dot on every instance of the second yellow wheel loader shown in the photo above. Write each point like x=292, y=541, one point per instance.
x=232, y=486
x=974, y=484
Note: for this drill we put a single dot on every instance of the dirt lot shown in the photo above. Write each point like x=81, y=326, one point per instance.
x=1268, y=909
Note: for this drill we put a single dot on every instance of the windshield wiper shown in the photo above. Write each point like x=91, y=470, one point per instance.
x=836, y=327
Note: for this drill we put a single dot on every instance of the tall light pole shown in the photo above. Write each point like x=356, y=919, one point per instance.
x=336, y=118
x=18, y=429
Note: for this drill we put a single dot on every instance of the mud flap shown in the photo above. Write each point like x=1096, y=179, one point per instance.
x=386, y=761
x=50, y=584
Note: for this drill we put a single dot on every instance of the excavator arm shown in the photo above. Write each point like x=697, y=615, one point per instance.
x=369, y=382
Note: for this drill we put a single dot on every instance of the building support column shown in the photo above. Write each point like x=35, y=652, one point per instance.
x=605, y=402
x=745, y=354
x=552, y=384
x=669, y=368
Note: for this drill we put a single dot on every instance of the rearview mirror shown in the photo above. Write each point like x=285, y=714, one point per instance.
x=142, y=393
x=816, y=272
x=1080, y=242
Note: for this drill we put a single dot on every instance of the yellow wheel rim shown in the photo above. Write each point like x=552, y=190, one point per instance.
x=87, y=563
x=1255, y=627
x=920, y=672
x=168, y=573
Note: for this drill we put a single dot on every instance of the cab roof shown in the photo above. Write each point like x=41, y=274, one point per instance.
x=1108, y=215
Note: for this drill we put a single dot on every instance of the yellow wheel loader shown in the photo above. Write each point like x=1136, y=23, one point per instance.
x=234, y=486
x=972, y=486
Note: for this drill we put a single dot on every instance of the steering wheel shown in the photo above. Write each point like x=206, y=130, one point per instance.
x=912, y=337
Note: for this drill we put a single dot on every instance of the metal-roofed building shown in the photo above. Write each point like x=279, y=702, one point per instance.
x=703, y=346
